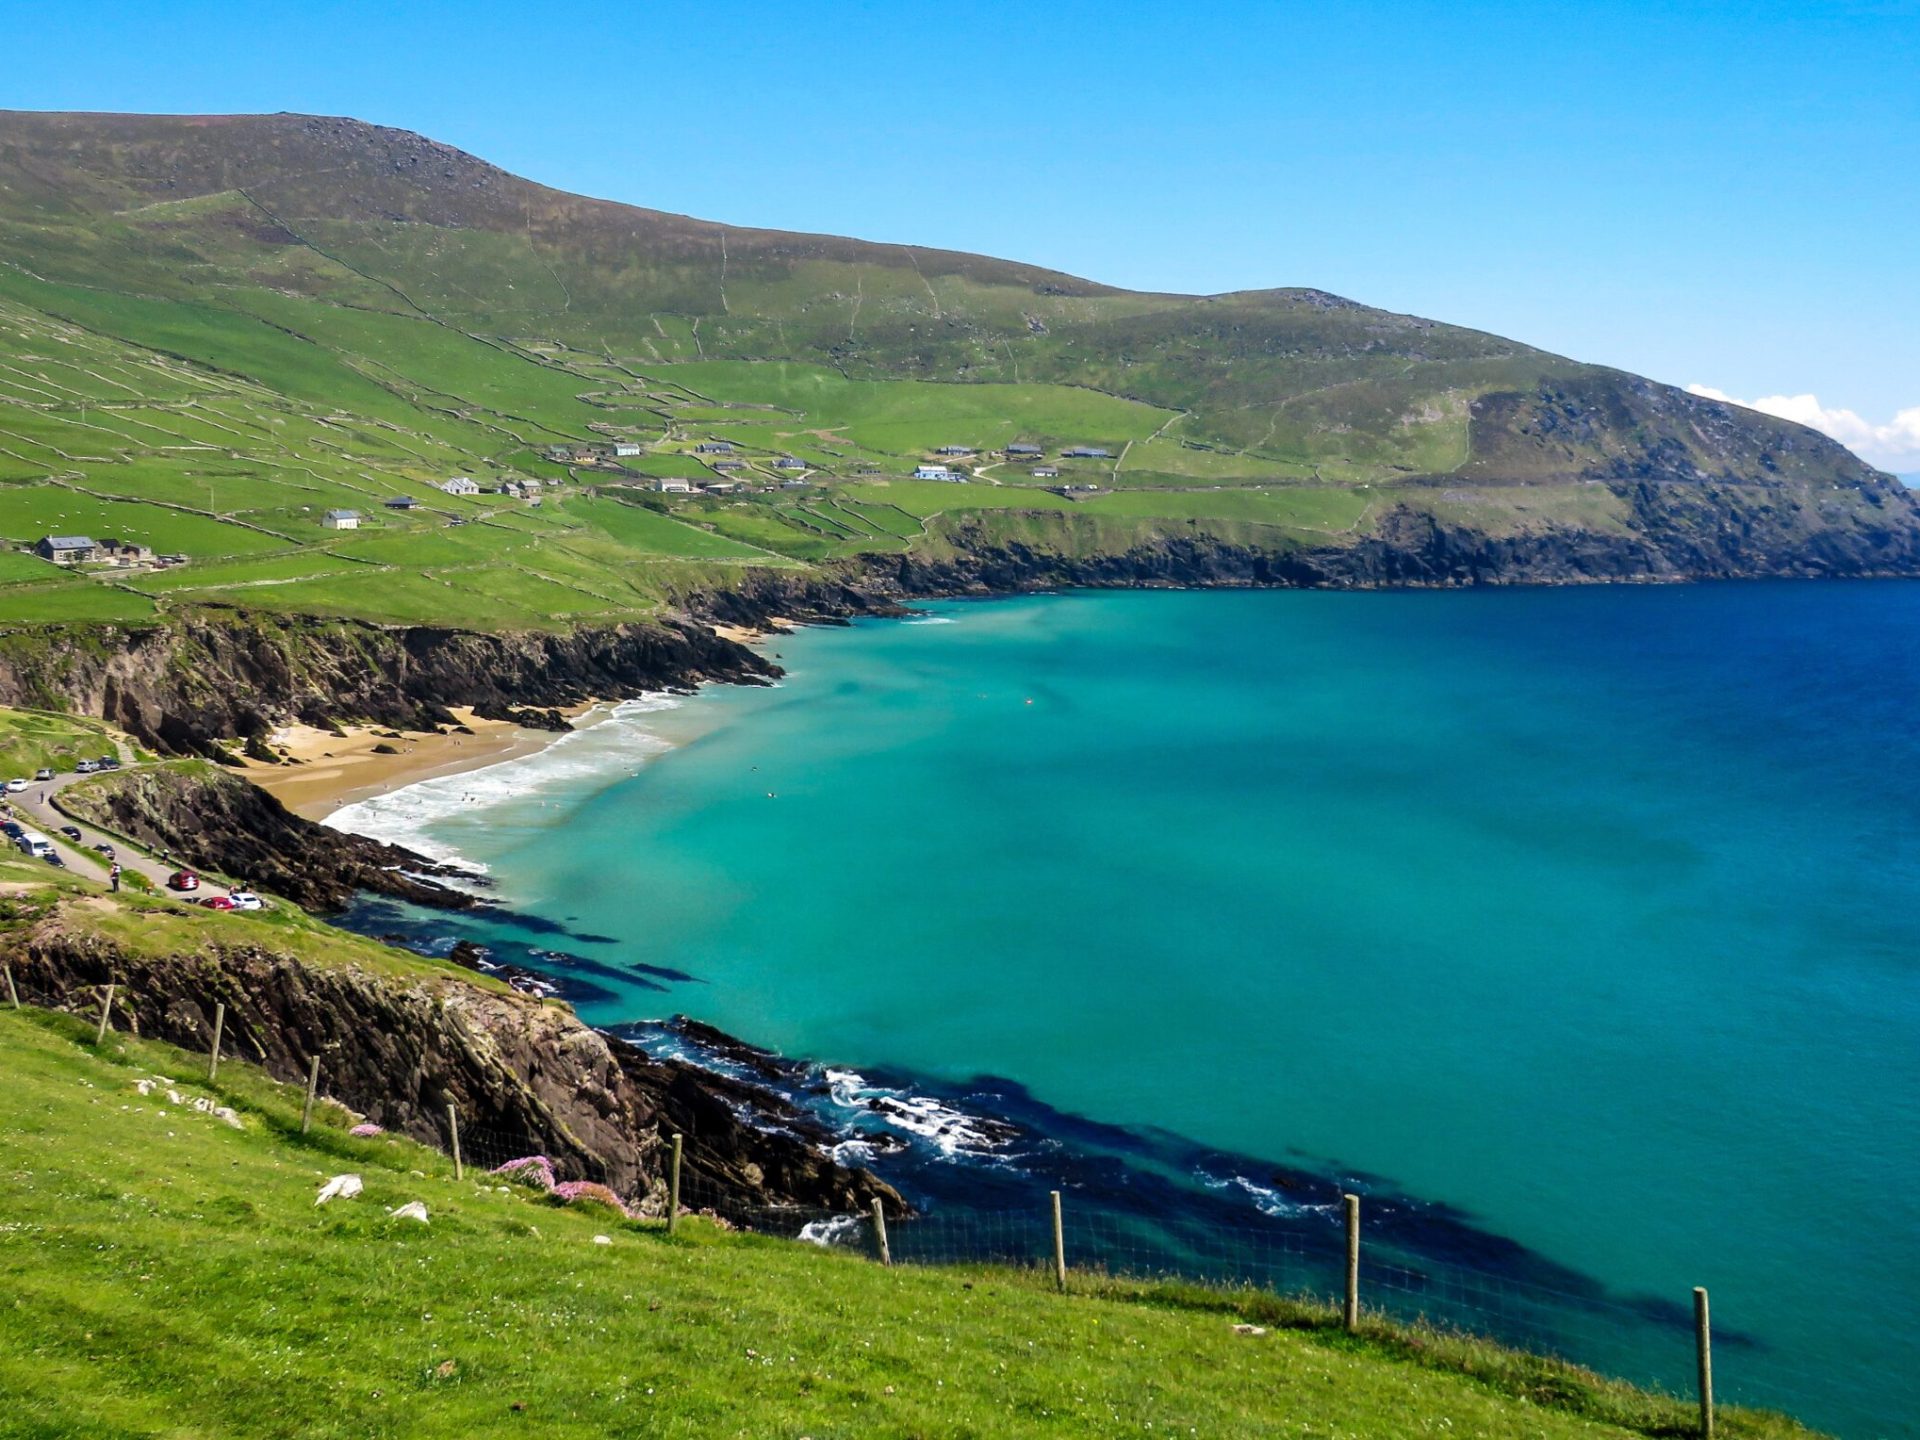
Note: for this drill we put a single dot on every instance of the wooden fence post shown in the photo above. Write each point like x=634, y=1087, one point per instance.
x=13, y=995
x=1059, y=1246
x=1352, y=1315
x=313, y=1088
x=106, y=1013
x=213, y=1055
x=673, y=1189
x=453, y=1130
x=1703, y=1348
x=881, y=1251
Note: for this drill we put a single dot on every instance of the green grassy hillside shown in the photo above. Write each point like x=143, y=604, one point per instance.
x=168, y=1274
x=214, y=330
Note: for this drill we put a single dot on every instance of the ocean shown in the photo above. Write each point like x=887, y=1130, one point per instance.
x=1577, y=929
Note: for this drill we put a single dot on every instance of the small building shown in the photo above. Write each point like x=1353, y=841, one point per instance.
x=1046, y=472
x=1024, y=451
x=793, y=485
x=674, y=487
x=402, y=502
x=624, y=447
x=341, y=519
x=954, y=450
x=511, y=487
x=727, y=466
x=125, y=552
x=713, y=447
x=67, y=549
x=1086, y=452
x=789, y=462
x=460, y=485
x=725, y=487
x=932, y=472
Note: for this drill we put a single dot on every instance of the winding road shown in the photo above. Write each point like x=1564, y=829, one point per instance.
x=37, y=807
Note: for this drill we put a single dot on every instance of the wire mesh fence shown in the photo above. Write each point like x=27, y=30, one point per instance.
x=1648, y=1341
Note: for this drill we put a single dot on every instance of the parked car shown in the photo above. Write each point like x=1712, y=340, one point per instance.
x=43, y=774
x=218, y=902
x=183, y=880
x=109, y=762
x=52, y=857
x=103, y=849
x=14, y=787
x=246, y=900
x=72, y=832
x=12, y=828
x=86, y=767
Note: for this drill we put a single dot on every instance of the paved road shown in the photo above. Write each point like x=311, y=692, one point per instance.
x=35, y=808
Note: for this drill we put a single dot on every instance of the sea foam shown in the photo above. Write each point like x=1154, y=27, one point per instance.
x=421, y=815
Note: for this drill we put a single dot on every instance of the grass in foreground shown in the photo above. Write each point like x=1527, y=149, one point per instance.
x=169, y=1275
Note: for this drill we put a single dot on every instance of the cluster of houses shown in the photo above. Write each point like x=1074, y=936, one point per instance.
x=594, y=454
x=714, y=487
x=1018, y=452
x=84, y=550
x=527, y=490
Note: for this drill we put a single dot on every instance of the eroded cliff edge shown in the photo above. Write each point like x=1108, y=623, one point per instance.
x=399, y=1039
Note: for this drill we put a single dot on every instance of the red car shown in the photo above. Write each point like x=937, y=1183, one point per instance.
x=183, y=880
x=217, y=902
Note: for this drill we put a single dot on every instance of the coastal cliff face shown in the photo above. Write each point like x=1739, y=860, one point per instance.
x=218, y=821
x=401, y=1047
x=1699, y=530
x=181, y=687
x=219, y=675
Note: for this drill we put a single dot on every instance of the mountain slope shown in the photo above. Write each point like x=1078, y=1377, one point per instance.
x=247, y=320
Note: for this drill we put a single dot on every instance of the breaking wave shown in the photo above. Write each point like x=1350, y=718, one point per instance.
x=428, y=815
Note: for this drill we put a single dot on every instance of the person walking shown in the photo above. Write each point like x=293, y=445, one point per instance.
x=113, y=875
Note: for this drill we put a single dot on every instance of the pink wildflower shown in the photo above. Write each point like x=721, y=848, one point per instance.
x=529, y=1169
x=572, y=1190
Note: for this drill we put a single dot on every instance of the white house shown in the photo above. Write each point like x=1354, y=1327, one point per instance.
x=341, y=519
x=625, y=447
x=936, y=472
x=460, y=485
x=674, y=487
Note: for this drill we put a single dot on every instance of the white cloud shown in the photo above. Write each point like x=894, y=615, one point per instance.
x=1894, y=446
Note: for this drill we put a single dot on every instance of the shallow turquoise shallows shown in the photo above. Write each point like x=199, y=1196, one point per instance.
x=1592, y=912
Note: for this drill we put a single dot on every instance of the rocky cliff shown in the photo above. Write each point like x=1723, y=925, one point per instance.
x=181, y=686
x=218, y=821
x=400, y=1040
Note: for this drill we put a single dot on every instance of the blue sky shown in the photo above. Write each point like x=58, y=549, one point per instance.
x=1725, y=195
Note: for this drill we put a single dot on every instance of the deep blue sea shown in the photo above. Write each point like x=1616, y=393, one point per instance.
x=1579, y=929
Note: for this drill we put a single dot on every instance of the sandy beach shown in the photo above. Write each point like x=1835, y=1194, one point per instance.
x=777, y=626
x=336, y=770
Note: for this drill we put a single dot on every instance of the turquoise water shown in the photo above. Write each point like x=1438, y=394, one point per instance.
x=1594, y=913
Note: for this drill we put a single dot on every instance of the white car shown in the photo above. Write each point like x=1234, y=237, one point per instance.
x=246, y=900
x=14, y=787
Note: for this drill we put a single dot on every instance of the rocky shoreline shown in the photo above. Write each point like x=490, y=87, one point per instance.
x=191, y=687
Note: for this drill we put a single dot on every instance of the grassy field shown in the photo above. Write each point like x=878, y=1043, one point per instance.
x=208, y=368
x=167, y=1274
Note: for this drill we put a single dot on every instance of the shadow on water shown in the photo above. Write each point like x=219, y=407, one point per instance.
x=976, y=1160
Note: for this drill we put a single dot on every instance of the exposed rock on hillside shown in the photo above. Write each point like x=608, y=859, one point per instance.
x=218, y=821
x=181, y=687
x=400, y=1048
